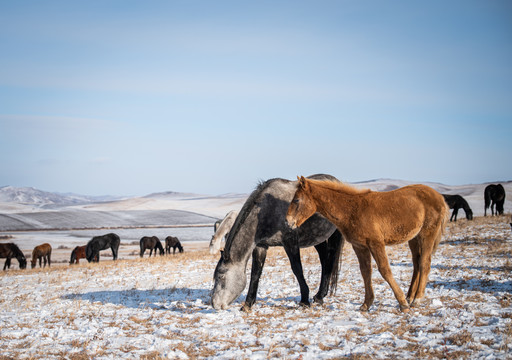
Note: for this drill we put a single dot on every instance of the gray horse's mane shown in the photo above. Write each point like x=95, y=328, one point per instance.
x=246, y=210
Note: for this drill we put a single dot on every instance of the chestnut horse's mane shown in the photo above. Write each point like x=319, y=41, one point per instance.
x=338, y=186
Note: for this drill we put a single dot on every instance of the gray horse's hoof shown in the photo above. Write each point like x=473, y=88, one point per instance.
x=305, y=304
x=319, y=301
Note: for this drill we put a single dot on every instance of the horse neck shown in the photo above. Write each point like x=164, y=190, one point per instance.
x=336, y=205
x=241, y=241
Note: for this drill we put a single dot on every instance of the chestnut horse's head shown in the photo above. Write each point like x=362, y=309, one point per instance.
x=302, y=207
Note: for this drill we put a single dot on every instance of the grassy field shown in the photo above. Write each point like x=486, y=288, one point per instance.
x=159, y=307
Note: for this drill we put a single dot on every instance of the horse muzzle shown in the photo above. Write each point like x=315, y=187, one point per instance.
x=291, y=222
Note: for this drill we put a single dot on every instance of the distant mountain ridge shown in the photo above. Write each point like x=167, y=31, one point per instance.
x=46, y=199
x=15, y=200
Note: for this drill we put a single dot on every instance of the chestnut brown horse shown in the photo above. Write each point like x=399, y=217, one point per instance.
x=371, y=220
x=77, y=254
x=42, y=252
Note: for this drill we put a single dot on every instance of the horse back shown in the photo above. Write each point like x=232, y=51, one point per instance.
x=6, y=250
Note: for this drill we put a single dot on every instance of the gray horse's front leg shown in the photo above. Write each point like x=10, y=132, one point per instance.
x=259, y=254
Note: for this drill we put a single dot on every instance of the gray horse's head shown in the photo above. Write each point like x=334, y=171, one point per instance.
x=230, y=281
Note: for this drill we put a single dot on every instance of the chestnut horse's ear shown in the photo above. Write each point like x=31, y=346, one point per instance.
x=302, y=182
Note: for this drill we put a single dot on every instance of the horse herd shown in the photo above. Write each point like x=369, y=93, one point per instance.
x=91, y=251
x=317, y=211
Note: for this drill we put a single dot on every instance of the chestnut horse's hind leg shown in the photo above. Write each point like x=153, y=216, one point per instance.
x=378, y=251
x=364, y=258
x=413, y=288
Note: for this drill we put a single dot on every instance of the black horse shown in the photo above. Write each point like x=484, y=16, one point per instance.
x=151, y=243
x=10, y=250
x=174, y=243
x=494, y=195
x=97, y=243
x=456, y=202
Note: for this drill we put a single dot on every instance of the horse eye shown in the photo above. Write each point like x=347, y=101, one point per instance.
x=295, y=201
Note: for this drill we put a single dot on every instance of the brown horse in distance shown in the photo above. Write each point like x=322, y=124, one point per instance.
x=42, y=252
x=371, y=220
x=10, y=250
x=77, y=254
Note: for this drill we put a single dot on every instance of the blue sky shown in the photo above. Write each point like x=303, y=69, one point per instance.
x=132, y=97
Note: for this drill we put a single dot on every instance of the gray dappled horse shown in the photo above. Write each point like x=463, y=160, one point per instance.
x=262, y=223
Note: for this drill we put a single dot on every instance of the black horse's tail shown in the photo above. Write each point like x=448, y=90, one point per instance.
x=142, y=247
x=487, y=199
x=336, y=242
x=73, y=257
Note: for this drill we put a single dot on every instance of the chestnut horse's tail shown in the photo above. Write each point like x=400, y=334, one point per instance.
x=445, y=216
x=336, y=242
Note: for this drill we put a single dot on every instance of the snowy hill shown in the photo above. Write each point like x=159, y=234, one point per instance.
x=44, y=199
x=30, y=209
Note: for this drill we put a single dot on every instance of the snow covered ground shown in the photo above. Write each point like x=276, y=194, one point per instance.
x=158, y=308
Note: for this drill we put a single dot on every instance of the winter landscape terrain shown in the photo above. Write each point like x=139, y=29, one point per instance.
x=159, y=307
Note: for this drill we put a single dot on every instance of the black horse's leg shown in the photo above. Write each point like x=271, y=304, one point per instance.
x=455, y=213
x=5, y=265
x=330, y=256
x=323, y=254
x=259, y=254
x=293, y=251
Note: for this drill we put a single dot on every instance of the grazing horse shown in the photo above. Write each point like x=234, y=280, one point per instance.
x=456, y=202
x=77, y=254
x=222, y=231
x=97, y=243
x=42, y=252
x=10, y=250
x=151, y=243
x=494, y=195
x=260, y=224
x=174, y=243
x=371, y=220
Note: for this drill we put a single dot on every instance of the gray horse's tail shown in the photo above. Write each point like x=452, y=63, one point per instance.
x=336, y=242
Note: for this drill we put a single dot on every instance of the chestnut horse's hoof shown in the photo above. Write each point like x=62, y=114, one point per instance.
x=405, y=308
x=415, y=303
x=364, y=308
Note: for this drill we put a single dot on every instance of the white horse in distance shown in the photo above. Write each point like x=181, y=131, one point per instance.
x=222, y=231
